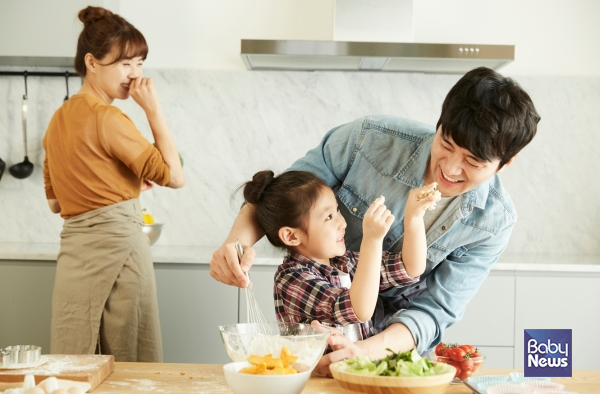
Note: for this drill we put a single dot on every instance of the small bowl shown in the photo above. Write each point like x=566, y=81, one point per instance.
x=152, y=231
x=460, y=375
x=358, y=383
x=302, y=340
x=243, y=383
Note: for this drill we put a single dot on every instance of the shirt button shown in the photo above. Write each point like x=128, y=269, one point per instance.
x=354, y=209
x=388, y=239
x=444, y=228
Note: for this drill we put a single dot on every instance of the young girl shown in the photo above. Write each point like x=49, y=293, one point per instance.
x=319, y=279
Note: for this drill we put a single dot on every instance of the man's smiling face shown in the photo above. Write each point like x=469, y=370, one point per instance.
x=455, y=169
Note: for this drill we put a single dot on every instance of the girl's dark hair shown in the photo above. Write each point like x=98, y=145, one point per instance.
x=489, y=115
x=104, y=31
x=284, y=200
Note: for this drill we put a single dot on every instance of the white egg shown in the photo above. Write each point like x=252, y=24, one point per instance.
x=34, y=390
x=75, y=390
x=59, y=391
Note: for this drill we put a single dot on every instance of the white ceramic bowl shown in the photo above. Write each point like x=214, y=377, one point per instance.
x=243, y=383
x=302, y=340
x=152, y=231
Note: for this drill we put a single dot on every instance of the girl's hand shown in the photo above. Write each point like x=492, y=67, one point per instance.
x=143, y=92
x=422, y=199
x=378, y=220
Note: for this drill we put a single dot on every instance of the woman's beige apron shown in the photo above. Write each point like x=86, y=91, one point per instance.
x=104, y=296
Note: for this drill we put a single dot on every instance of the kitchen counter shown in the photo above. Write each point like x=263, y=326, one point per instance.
x=209, y=378
x=203, y=254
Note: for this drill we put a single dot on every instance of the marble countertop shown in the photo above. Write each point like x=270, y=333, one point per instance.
x=203, y=255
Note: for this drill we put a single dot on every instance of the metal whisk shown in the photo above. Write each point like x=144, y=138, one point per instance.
x=253, y=311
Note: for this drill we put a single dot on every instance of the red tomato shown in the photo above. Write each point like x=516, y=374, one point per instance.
x=475, y=354
x=466, y=365
x=467, y=348
x=456, y=354
x=458, y=370
x=440, y=349
x=465, y=375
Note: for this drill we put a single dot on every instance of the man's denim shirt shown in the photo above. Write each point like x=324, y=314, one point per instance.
x=384, y=155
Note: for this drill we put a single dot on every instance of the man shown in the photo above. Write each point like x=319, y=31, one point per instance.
x=486, y=120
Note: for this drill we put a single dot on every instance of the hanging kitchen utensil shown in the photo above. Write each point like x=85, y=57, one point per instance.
x=2, y=167
x=24, y=169
x=67, y=82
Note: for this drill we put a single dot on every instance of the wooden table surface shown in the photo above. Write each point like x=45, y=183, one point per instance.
x=209, y=378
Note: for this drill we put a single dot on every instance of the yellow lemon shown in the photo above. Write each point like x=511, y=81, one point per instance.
x=148, y=218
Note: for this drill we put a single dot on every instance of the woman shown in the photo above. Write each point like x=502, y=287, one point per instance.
x=96, y=164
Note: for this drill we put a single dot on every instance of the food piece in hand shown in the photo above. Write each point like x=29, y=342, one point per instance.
x=433, y=191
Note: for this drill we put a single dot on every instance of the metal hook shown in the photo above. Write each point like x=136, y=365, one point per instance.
x=67, y=83
x=25, y=75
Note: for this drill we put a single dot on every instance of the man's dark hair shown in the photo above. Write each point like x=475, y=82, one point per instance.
x=489, y=115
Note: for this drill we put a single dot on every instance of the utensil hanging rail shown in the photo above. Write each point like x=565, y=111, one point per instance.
x=38, y=73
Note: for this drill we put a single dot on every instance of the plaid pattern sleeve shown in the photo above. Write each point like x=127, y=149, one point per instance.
x=393, y=273
x=304, y=292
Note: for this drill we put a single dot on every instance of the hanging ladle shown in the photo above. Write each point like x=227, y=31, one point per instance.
x=67, y=82
x=24, y=169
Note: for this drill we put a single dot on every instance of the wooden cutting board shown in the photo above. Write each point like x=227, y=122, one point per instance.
x=84, y=368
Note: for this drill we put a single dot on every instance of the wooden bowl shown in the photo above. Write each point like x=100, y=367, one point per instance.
x=353, y=383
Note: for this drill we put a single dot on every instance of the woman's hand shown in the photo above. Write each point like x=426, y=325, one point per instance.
x=377, y=221
x=143, y=92
x=147, y=185
x=420, y=200
x=343, y=348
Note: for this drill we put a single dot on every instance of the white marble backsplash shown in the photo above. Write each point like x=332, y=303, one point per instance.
x=230, y=124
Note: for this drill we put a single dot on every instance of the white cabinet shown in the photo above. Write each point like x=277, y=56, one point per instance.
x=489, y=321
x=26, y=303
x=41, y=33
x=490, y=315
x=558, y=302
x=192, y=306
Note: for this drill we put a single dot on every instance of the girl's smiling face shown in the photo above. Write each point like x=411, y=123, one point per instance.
x=325, y=229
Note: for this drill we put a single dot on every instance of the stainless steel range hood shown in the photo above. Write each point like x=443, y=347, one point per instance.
x=372, y=56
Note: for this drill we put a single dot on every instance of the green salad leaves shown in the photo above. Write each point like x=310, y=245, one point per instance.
x=408, y=363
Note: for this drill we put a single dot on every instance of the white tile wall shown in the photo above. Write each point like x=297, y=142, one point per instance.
x=230, y=124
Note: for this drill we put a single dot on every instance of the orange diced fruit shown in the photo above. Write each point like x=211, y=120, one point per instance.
x=255, y=360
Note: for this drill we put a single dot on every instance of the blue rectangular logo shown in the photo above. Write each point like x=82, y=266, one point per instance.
x=548, y=353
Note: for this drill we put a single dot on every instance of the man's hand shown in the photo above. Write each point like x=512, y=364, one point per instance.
x=226, y=267
x=343, y=348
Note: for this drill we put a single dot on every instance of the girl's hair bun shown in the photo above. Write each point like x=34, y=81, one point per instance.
x=91, y=14
x=254, y=189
